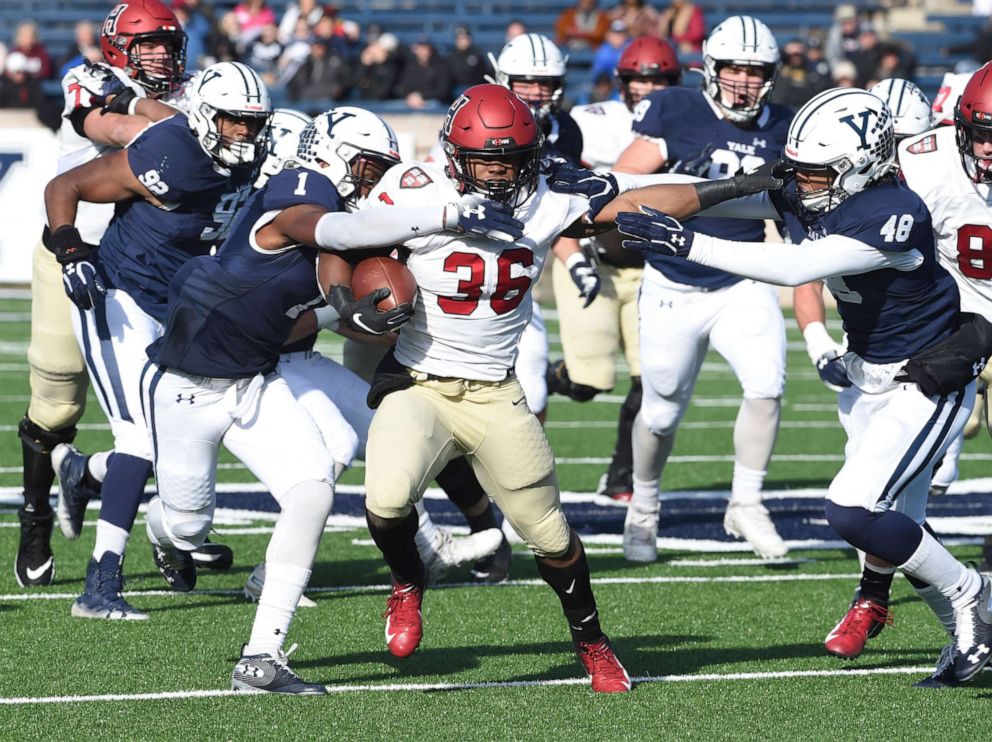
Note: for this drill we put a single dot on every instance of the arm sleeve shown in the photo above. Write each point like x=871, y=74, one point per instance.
x=381, y=226
x=793, y=265
x=755, y=206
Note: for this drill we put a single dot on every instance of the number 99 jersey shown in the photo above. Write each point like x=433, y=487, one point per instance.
x=473, y=303
x=960, y=210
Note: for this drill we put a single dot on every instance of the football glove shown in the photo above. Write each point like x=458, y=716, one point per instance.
x=599, y=188
x=655, y=232
x=108, y=89
x=833, y=372
x=584, y=275
x=82, y=280
x=489, y=219
x=362, y=315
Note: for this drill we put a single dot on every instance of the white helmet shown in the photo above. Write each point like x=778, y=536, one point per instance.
x=909, y=106
x=232, y=89
x=284, y=139
x=533, y=57
x=845, y=133
x=351, y=147
x=740, y=40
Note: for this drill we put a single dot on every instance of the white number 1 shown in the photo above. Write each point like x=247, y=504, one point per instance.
x=301, y=187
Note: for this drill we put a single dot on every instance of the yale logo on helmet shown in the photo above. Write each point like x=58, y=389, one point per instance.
x=862, y=130
x=110, y=25
x=336, y=118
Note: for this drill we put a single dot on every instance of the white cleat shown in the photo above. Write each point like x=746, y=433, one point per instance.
x=256, y=581
x=752, y=523
x=640, y=535
x=445, y=551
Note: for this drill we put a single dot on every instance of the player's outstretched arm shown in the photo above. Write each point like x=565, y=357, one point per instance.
x=825, y=354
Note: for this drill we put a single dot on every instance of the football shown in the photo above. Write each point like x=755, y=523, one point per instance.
x=375, y=273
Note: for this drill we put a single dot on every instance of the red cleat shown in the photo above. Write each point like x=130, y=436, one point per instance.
x=602, y=665
x=864, y=620
x=404, y=628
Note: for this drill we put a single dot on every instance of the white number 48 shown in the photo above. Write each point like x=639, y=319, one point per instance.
x=897, y=228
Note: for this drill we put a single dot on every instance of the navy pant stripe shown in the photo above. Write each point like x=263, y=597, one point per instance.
x=110, y=360
x=88, y=356
x=941, y=437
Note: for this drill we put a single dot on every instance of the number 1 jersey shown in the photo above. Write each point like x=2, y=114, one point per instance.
x=473, y=301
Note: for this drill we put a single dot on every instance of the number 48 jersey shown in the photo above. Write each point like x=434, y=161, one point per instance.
x=961, y=212
x=473, y=302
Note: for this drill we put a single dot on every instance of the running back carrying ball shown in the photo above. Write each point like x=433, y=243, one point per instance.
x=376, y=273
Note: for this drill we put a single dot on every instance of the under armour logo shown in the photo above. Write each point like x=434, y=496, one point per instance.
x=977, y=656
x=477, y=211
x=180, y=398
x=666, y=303
x=678, y=240
x=759, y=143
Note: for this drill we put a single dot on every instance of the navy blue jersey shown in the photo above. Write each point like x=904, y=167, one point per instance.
x=686, y=120
x=888, y=314
x=230, y=313
x=145, y=245
x=563, y=138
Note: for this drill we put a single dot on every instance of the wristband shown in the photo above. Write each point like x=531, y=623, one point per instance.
x=818, y=340
x=68, y=245
x=328, y=318
x=574, y=259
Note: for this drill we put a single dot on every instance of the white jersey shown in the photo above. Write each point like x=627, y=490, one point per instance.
x=961, y=212
x=473, y=303
x=605, y=130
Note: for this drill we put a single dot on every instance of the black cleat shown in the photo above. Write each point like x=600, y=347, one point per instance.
x=973, y=633
x=943, y=674
x=34, y=564
x=74, y=495
x=263, y=672
x=176, y=566
x=101, y=596
x=496, y=566
x=213, y=556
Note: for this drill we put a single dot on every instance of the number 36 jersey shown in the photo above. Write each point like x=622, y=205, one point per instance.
x=474, y=298
x=145, y=245
x=961, y=212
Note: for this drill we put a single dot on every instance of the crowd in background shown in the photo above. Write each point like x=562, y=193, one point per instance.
x=316, y=54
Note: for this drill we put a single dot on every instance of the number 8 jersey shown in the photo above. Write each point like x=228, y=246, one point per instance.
x=961, y=212
x=473, y=302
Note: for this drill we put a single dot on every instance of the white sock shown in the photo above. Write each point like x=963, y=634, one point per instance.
x=650, y=454
x=940, y=606
x=745, y=488
x=109, y=538
x=646, y=495
x=98, y=465
x=284, y=584
x=933, y=564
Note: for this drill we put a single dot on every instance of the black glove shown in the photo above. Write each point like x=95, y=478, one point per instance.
x=599, y=188
x=361, y=315
x=655, y=232
x=585, y=276
x=83, y=283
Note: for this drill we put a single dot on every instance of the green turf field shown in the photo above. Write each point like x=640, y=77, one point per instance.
x=724, y=648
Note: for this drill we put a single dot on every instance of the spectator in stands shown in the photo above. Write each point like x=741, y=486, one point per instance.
x=3, y=57
x=867, y=56
x=425, y=75
x=582, y=26
x=245, y=22
x=816, y=57
x=264, y=52
x=348, y=40
x=378, y=68
x=894, y=60
x=18, y=88
x=684, y=25
x=466, y=61
x=86, y=47
x=295, y=52
x=198, y=30
x=845, y=74
x=514, y=29
x=604, y=62
x=842, y=38
x=324, y=74
x=308, y=10
x=638, y=18
x=38, y=63
x=799, y=79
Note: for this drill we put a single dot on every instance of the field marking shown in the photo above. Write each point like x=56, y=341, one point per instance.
x=482, y=685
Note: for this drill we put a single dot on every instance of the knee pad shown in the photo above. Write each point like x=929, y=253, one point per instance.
x=662, y=416
x=40, y=440
x=181, y=529
x=390, y=494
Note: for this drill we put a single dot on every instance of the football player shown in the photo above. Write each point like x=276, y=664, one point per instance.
x=592, y=334
x=450, y=377
x=177, y=187
x=213, y=375
x=144, y=49
x=855, y=225
x=727, y=127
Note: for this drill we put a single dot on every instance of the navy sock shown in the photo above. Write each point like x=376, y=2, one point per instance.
x=123, y=489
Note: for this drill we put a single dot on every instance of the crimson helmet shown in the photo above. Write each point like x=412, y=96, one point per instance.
x=974, y=112
x=490, y=122
x=145, y=20
x=647, y=57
